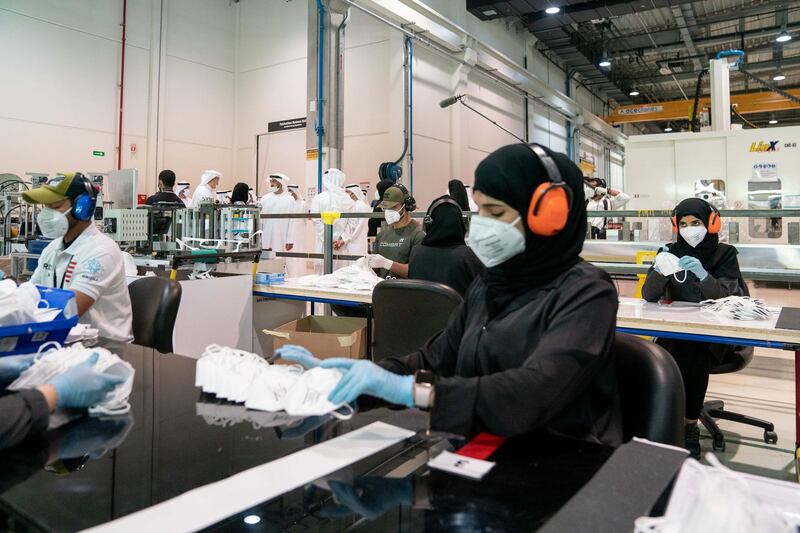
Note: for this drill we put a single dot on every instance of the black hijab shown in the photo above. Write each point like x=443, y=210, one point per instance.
x=459, y=193
x=240, y=193
x=706, y=251
x=511, y=174
x=447, y=226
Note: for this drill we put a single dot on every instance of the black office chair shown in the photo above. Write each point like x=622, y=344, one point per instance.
x=155, y=303
x=733, y=362
x=408, y=313
x=651, y=391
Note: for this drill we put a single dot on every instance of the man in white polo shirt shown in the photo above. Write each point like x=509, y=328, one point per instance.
x=80, y=258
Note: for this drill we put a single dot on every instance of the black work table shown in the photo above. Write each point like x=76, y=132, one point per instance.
x=111, y=468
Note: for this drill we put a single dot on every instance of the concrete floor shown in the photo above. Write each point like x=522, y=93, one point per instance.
x=765, y=389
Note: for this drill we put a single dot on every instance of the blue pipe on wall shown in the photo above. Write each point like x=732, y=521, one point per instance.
x=319, y=127
x=410, y=45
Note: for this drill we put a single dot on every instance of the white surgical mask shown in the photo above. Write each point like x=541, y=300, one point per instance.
x=588, y=192
x=694, y=235
x=667, y=264
x=495, y=241
x=392, y=216
x=50, y=364
x=309, y=395
x=273, y=189
x=53, y=223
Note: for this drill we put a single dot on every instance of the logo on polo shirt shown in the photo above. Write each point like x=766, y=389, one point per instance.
x=93, y=270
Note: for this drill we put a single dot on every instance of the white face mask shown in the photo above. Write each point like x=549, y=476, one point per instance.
x=273, y=189
x=53, y=363
x=495, y=241
x=309, y=395
x=270, y=386
x=667, y=264
x=392, y=216
x=53, y=223
x=588, y=192
x=694, y=235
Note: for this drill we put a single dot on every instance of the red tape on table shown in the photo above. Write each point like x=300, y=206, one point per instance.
x=482, y=446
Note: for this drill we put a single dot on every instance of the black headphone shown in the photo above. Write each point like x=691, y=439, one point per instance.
x=408, y=201
x=444, y=200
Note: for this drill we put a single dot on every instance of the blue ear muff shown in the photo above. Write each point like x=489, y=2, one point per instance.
x=83, y=206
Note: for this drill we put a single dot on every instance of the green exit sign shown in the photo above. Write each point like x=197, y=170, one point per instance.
x=98, y=153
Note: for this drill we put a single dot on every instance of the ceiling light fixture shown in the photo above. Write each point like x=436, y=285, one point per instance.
x=252, y=519
x=634, y=92
x=773, y=120
x=605, y=61
x=779, y=76
x=552, y=10
x=668, y=128
x=784, y=36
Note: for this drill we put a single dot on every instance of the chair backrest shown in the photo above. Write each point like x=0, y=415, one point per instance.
x=155, y=303
x=651, y=391
x=408, y=313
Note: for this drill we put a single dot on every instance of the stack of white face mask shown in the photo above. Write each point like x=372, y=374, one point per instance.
x=243, y=377
x=358, y=276
x=49, y=364
x=20, y=304
x=738, y=307
x=717, y=500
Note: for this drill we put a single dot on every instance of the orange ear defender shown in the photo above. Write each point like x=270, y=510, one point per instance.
x=714, y=221
x=551, y=202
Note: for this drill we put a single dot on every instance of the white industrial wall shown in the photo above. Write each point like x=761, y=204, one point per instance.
x=60, y=92
x=203, y=77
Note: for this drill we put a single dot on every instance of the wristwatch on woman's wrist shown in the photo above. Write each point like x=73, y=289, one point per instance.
x=424, y=382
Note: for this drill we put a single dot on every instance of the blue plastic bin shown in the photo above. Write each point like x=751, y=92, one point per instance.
x=36, y=246
x=27, y=338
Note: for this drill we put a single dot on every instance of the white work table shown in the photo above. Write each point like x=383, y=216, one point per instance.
x=291, y=290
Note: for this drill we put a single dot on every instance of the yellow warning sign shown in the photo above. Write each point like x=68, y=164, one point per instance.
x=311, y=155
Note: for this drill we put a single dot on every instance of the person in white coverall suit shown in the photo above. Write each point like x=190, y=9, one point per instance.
x=332, y=198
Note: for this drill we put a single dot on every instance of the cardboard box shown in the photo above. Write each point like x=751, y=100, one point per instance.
x=325, y=336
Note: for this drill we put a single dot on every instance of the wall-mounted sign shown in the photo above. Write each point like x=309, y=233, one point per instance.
x=287, y=125
x=98, y=153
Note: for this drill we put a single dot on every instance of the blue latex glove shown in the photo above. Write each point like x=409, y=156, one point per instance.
x=82, y=386
x=365, y=377
x=297, y=354
x=693, y=265
x=12, y=366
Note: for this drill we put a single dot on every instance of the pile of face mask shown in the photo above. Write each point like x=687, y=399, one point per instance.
x=738, y=307
x=49, y=364
x=356, y=277
x=717, y=500
x=20, y=304
x=243, y=377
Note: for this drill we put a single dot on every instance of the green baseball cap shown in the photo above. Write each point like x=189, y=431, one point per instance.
x=69, y=185
x=392, y=197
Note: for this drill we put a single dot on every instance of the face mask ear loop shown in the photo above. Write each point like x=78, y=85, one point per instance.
x=45, y=347
x=685, y=275
x=343, y=416
x=122, y=410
